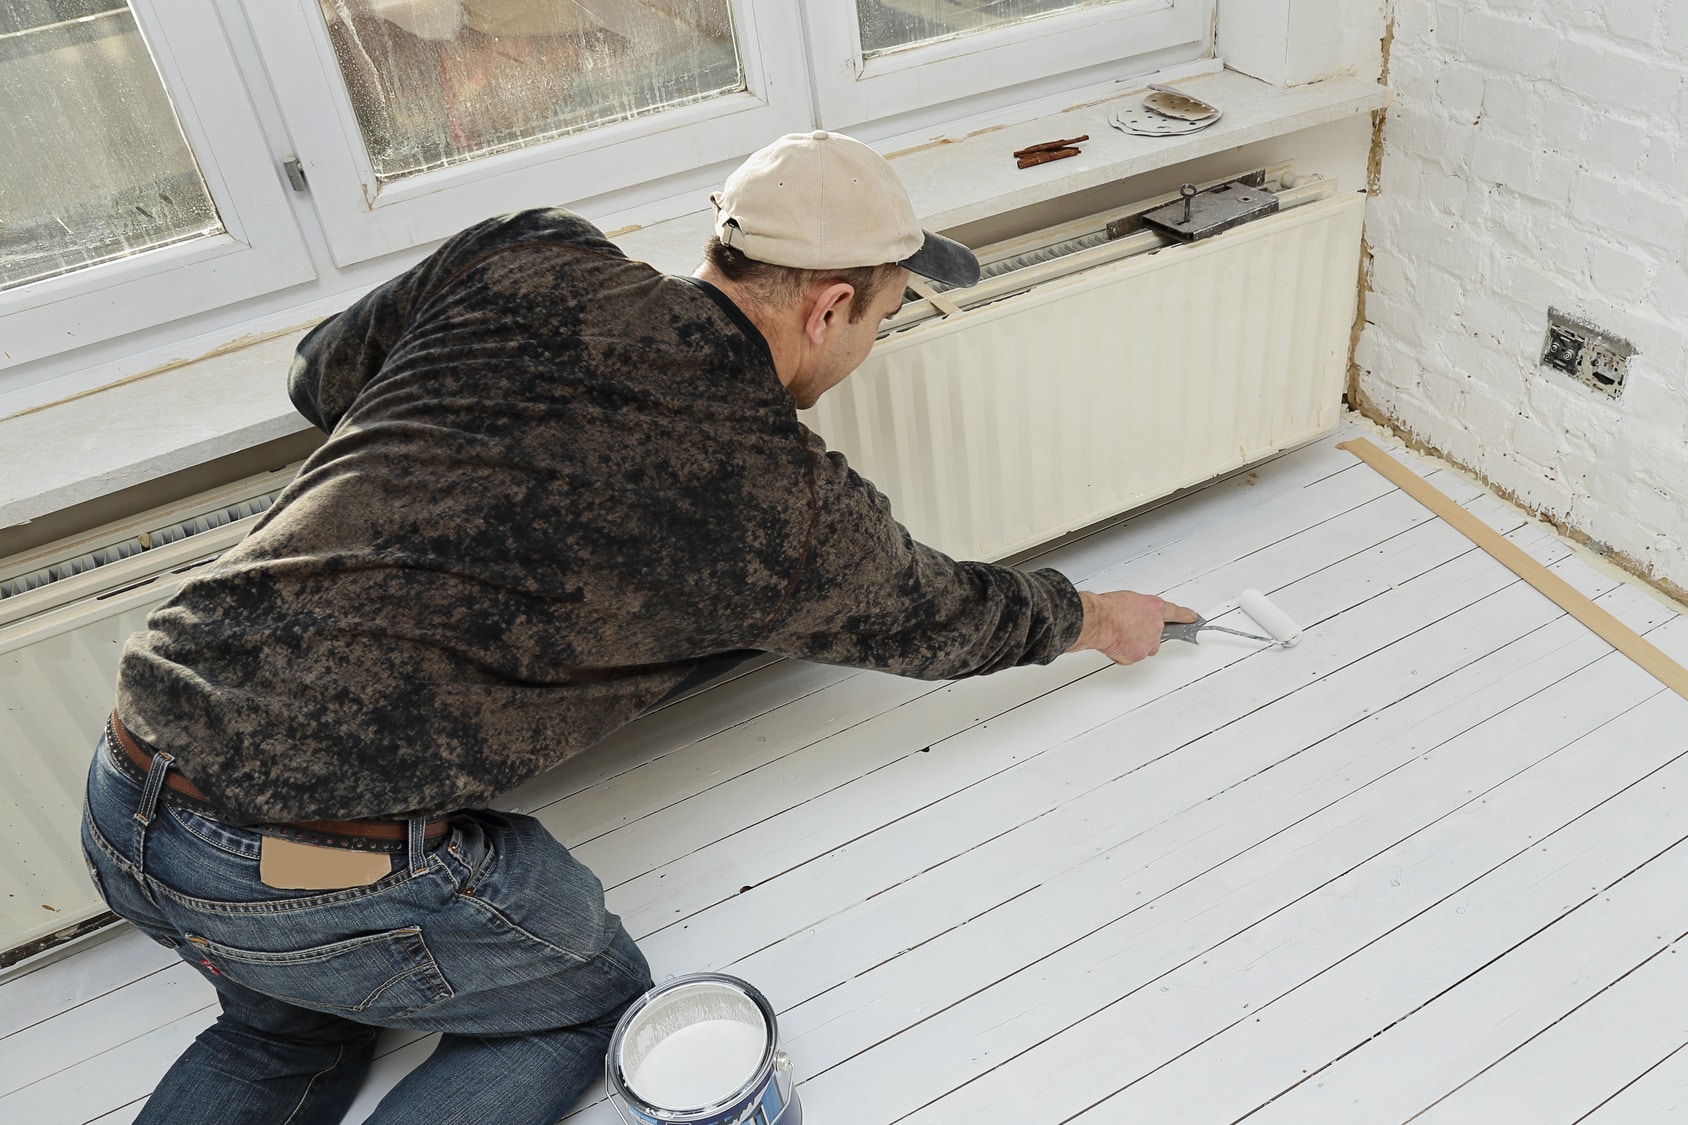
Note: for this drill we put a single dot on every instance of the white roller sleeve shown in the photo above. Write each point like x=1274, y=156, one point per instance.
x=1269, y=617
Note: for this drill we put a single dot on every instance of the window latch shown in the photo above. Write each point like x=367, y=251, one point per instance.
x=295, y=173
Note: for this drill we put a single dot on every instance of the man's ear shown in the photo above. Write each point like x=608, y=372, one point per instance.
x=829, y=305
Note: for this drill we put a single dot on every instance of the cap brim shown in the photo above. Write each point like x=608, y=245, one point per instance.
x=944, y=259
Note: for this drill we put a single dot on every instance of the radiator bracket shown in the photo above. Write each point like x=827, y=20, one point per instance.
x=1203, y=214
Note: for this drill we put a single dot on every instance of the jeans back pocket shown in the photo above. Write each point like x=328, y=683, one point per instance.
x=380, y=975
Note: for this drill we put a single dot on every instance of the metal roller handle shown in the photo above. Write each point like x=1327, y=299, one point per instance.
x=1187, y=630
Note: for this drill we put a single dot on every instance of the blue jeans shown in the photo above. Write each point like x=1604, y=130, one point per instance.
x=500, y=942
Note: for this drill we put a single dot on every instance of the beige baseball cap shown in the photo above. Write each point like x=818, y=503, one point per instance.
x=822, y=200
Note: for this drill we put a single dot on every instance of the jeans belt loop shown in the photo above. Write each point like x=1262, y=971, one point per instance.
x=418, y=852
x=144, y=808
x=161, y=763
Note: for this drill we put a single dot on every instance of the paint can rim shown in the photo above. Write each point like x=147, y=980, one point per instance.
x=617, y=1079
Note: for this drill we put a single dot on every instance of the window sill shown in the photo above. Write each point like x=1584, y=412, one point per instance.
x=954, y=183
x=153, y=425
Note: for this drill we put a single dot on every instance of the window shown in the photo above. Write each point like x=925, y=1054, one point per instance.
x=435, y=84
x=97, y=167
x=440, y=110
x=875, y=59
x=135, y=191
x=150, y=144
x=895, y=25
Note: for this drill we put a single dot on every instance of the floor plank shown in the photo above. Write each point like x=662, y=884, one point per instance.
x=1093, y=694
x=104, y=1023
x=1570, y=1067
x=857, y=870
x=1657, y=1097
x=40, y=991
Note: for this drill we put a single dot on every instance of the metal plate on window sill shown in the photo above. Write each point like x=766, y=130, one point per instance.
x=1139, y=120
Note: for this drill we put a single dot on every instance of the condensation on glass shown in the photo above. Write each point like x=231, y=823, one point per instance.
x=95, y=166
x=438, y=82
x=894, y=25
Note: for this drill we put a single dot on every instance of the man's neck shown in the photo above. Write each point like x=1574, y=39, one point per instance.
x=782, y=338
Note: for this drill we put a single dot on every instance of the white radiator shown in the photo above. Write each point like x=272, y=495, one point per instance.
x=59, y=643
x=1080, y=397
x=1081, y=387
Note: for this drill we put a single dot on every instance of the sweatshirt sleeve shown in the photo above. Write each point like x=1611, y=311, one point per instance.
x=338, y=358
x=868, y=595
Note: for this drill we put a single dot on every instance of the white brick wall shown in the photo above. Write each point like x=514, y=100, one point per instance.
x=1536, y=155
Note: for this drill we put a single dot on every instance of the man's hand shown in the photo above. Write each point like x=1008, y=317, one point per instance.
x=1125, y=627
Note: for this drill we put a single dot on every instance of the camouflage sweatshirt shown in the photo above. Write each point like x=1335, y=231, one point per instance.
x=555, y=480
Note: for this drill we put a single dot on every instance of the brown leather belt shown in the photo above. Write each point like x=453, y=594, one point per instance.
x=308, y=831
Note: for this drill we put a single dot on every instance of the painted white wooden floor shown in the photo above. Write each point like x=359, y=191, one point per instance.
x=1427, y=866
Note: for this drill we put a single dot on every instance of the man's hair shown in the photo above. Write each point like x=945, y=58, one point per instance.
x=777, y=286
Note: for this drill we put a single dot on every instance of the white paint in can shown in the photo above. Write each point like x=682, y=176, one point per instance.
x=700, y=1064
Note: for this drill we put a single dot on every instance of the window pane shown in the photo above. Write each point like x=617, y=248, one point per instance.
x=437, y=82
x=95, y=166
x=892, y=25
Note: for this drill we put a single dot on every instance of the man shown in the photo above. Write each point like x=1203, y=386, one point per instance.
x=557, y=484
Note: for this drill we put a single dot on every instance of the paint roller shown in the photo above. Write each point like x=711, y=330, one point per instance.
x=1284, y=630
x=1269, y=617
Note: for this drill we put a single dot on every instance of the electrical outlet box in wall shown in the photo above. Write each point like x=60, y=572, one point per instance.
x=1588, y=354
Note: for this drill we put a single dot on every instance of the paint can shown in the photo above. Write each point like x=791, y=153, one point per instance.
x=701, y=1049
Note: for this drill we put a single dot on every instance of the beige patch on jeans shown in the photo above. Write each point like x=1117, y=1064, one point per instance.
x=288, y=865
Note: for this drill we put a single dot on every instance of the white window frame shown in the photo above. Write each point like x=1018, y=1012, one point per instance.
x=261, y=250
x=1135, y=36
x=364, y=219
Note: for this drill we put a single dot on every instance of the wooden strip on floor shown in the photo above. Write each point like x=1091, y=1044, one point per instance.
x=1668, y=672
